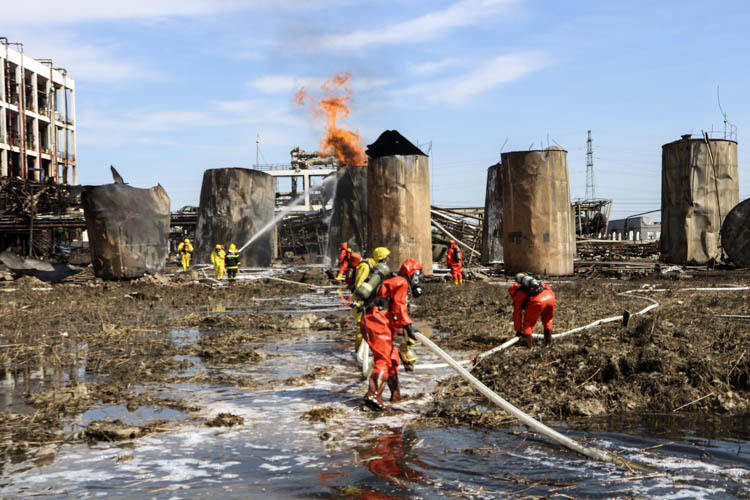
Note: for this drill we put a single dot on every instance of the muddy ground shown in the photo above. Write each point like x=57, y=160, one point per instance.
x=96, y=341
x=682, y=357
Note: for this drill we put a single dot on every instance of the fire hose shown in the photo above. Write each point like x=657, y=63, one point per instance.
x=561, y=439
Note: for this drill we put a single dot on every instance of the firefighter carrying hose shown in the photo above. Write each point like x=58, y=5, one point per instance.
x=363, y=270
x=531, y=299
x=217, y=259
x=185, y=249
x=454, y=259
x=343, y=261
x=232, y=262
x=387, y=315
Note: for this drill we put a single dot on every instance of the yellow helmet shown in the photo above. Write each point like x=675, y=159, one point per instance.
x=232, y=248
x=218, y=246
x=187, y=240
x=380, y=253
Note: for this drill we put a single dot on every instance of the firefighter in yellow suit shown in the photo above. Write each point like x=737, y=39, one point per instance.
x=217, y=259
x=185, y=249
x=361, y=273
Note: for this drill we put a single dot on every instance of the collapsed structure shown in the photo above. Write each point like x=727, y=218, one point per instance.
x=235, y=204
x=128, y=229
x=538, y=234
x=698, y=189
x=492, y=224
x=398, y=197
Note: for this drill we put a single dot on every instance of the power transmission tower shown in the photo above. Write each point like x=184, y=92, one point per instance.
x=590, y=192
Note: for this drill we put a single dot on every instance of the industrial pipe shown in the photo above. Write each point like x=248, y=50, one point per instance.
x=552, y=434
x=437, y=225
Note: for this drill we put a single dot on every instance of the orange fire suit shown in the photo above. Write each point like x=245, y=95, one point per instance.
x=454, y=261
x=380, y=325
x=539, y=304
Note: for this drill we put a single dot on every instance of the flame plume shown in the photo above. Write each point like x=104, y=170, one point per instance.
x=337, y=141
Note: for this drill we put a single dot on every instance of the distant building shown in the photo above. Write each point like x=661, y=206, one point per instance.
x=645, y=227
x=37, y=119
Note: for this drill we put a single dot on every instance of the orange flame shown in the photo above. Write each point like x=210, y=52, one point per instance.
x=337, y=141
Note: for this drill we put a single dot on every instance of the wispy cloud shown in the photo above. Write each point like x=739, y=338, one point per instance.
x=490, y=74
x=74, y=11
x=288, y=84
x=432, y=67
x=423, y=28
x=86, y=61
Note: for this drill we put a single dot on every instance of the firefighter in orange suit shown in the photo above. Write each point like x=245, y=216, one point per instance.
x=532, y=299
x=454, y=258
x=387, y=316
x=343, y=260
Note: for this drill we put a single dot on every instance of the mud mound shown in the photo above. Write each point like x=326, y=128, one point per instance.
x=225, y=420
x=682, y=357
x=321, y=413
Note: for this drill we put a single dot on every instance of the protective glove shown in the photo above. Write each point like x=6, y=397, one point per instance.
x=339, y=277
x=407, y=356
x=411, y=339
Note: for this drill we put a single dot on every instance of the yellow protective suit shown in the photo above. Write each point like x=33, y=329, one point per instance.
x=360, y=275
x=185, y=249
x=217, y=259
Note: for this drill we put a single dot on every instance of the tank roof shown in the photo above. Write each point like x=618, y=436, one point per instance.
x=391, y=143
x=689, y=138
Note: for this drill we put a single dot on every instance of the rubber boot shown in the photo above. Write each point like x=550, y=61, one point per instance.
x=455, y=282
x=547, y=337
x=373, y=398
x=529, y=341
x=395, y=389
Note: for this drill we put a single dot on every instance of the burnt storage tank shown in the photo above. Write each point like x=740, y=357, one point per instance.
x=492, y=223
x=349, y=217
x=398, y=200
x=538, y=231
x=128, y=229
x=235, y=204
x=699, y=186
x=735, y=234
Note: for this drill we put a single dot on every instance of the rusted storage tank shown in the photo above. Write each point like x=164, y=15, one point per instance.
x=492, y=223
x=398, y=200
x=735, y=234
x=538, y=231
x=235, y=204
x=128, y=229
x=692, y=209
x=349, y=217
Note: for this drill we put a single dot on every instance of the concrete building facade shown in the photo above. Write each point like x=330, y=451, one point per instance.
x=634, y=228
x=37, y=118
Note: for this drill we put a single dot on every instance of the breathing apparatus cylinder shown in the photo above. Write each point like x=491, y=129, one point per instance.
x=368, y=287
x=529, y=282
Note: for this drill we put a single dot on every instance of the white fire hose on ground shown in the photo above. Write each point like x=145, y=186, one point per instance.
x=594, y=453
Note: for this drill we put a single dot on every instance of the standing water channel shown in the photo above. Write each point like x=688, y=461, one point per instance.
x=279, y=452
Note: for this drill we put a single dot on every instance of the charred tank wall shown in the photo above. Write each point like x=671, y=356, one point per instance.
x=349, y=217
x=128, y=229
x=236, y=203
x=538, y=232
x=492, y=223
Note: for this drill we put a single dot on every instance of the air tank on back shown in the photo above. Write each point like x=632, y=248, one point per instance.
x=538, y=232
x=235, y=204
x=492, y=223
x=699, y=187
x=398, y=199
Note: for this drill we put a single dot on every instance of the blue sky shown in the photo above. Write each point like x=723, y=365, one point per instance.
x=168, y=88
